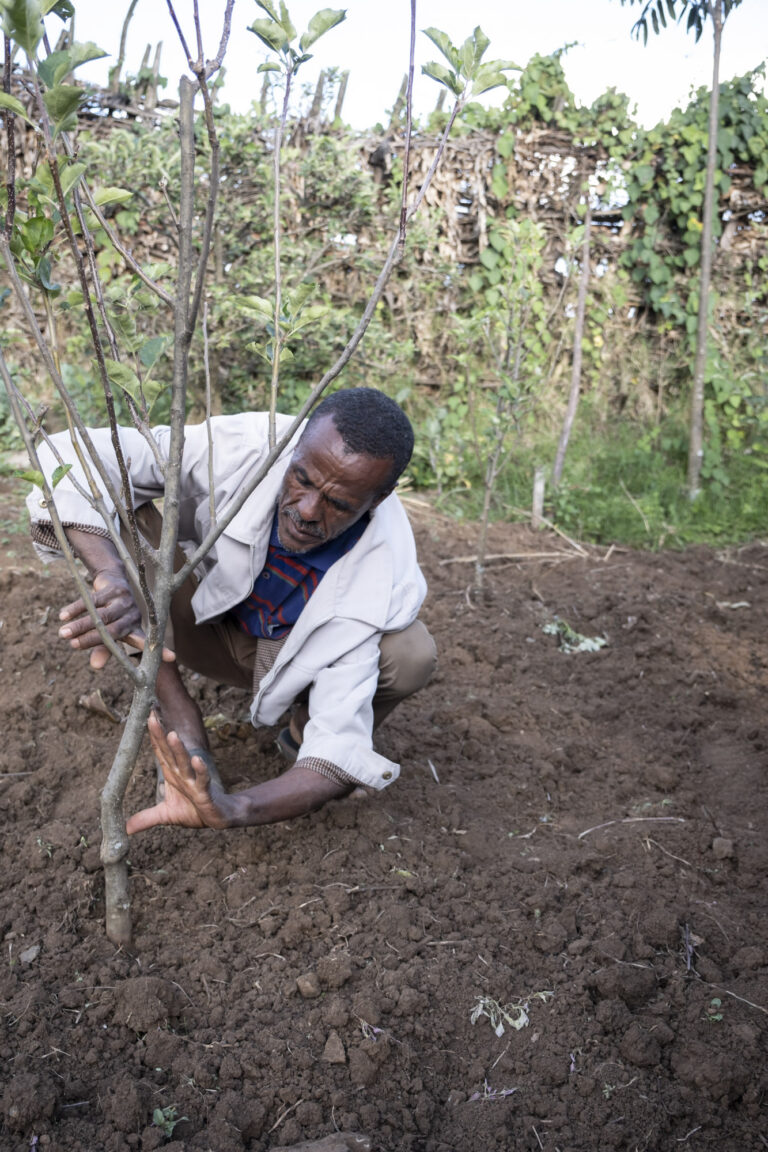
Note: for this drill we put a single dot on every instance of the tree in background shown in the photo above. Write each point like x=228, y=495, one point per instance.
x=698, y=12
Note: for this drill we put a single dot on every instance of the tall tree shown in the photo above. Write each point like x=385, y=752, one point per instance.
x=698, y=12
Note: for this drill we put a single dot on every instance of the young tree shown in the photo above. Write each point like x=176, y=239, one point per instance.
x=510, y=324
x=698, y=12
x=54, y=220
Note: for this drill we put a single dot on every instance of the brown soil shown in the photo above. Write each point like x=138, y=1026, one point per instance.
x=580, y=838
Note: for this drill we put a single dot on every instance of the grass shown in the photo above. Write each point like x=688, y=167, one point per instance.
x=625, y=485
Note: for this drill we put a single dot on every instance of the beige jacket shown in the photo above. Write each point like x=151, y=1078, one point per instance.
x=334, y=646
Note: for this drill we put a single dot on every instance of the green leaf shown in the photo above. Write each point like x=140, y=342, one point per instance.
x=643, y=174
x=476, y=282
x=14, y=105
x=480, y=43
x=64, y=9
x=296, y=299
x=257, y=304
x=321, y=23
x=111, y=196
x=123, y=377
x=151, y=352
x=36, y=233
x=70, y=175
x=270, y=34
x=43, y=271
x=58, y=65
x=488, y=258
x=22, y=22
x=62, y=103
x=505, y=145
x=269, y=8
x=285, y=21
x=443, y=42
x=269, y=66
x=32, y=476
x=286, y=356
x=691, y=256
x=488, y=76
x=59, y=474
x=442, y=75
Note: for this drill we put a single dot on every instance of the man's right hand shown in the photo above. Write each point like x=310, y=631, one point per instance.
x=118, y=611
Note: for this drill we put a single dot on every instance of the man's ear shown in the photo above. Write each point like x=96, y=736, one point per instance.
x=380, y=497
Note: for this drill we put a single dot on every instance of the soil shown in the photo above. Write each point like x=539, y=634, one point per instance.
x=549, y=934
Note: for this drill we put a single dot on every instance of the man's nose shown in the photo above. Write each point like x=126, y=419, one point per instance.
x=309, y=506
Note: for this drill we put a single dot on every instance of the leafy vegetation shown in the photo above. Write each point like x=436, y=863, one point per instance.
x=437, y=339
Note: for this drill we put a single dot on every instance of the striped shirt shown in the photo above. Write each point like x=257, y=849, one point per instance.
x=287, y=581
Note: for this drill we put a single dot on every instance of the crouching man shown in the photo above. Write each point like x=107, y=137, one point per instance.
x=309, y=599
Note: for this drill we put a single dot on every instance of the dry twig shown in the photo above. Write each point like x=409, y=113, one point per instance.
x=633, y=820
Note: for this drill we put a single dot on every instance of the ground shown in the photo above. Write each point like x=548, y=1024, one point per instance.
x=549, y=934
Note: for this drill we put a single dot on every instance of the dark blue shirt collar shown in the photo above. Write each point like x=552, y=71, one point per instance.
x=325, y=554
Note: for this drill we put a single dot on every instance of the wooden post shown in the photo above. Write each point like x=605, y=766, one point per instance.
x=537, y=508
x=315, y=111
x=341, y=94
x=397, y=110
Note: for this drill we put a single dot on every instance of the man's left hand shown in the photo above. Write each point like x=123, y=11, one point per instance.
x=192, y=799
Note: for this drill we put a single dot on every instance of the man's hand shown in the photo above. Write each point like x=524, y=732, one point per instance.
x=195, y=800
x=192, y=798
x=119, y=612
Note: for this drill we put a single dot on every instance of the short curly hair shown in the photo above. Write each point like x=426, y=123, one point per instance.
x=370, y=423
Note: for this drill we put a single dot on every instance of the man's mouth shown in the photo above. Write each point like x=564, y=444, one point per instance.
x=297, y=527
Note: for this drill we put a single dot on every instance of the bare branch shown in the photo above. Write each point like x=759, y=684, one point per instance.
x=10, y=140
x=408, y=128
x=276, y=339
x=212, y=66
x=182, y=41
x=58, y=528
x=206, y=361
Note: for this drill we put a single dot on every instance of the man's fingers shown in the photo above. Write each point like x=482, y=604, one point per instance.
x=71, y=611
x=169, y=750
x=138, y=640
x=99, y=657
x=146, y=818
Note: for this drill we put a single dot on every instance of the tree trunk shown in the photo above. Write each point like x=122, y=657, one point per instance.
x=696, y=438
x=578, y=338
x=114, y=843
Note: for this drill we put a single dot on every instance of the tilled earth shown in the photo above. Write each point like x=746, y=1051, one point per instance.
x=550, y=934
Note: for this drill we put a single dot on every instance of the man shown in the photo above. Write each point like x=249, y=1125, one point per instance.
x=309, y=598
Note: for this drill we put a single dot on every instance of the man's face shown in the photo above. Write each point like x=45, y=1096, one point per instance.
x=327, y=489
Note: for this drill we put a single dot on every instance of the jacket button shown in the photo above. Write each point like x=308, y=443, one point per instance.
x=386, y=775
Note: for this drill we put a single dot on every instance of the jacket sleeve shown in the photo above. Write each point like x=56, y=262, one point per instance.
x=340, y=726
x=145, y=475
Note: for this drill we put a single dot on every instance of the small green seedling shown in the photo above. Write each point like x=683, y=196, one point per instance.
x=166, y=1120
x=46, y=849
x=713, y=1013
